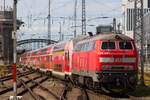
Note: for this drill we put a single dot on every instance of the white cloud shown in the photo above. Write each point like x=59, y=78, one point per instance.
x=39, y=8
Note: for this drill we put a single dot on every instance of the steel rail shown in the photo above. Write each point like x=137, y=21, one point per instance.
x=18, y=86
x=45, y=89
x=32, y=87
x=29, y=89
x=19, y=75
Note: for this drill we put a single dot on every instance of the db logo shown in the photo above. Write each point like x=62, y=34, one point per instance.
x=118, y=59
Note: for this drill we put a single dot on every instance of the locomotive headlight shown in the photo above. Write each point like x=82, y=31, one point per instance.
x=106, y=67
x=129, y=67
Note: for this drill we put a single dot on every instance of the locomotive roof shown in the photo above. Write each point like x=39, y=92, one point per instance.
x=79, y=38
x=104, y=36
x=111, y=36
x=82, y=38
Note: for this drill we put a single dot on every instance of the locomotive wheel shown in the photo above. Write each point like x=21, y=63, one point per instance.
x=75, y=79
x=88, y=82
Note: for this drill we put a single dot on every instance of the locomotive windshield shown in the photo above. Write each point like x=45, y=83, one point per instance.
x=125, y=45
x=108, y=45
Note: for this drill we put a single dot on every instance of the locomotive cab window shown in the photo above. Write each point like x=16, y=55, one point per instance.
x=108, y=45
x=125, y=45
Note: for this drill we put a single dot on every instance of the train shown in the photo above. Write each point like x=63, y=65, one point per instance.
x=104, y=62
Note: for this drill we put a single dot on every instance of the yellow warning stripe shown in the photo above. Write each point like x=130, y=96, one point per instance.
x=55, y=53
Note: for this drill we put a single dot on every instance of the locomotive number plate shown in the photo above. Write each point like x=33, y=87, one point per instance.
x=118, y=60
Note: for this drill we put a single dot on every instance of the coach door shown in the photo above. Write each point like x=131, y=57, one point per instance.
x=87, y=48
x=67, y=61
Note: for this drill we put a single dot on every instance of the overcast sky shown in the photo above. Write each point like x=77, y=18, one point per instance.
x=34, y=14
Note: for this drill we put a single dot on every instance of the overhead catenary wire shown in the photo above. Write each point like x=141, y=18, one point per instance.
x=40, y=17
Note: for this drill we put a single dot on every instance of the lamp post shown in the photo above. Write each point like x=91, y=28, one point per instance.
x=49, y=21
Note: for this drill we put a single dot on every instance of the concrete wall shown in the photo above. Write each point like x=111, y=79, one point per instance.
x=6, y=27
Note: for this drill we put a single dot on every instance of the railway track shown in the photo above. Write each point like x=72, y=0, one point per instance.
x=8, y=89
x=9, y=77
x=43, y=88
x=29, y=84
x=28, y=88
x=87, y=94
x=97, y=96
x=58, y=97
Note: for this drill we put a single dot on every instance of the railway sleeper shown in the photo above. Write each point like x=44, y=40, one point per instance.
x=18, y=75
x=34, y=95
x=44, y=88
x=32, y=87
x=18, y=86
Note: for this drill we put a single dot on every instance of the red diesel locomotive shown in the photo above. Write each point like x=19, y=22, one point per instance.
x=105, y=62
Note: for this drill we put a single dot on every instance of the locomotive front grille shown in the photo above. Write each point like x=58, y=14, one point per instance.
x=110, y=75
x=117, y=67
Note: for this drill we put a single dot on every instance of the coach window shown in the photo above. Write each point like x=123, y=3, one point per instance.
x=34, y=53
x=85, y=47
x=79, y=48
x=82, y=47
x=93, y=45
x=43, y=51
x=108, y=45
x=47, y=58
x=51, y=58
x=66, y=55
x=88, y=46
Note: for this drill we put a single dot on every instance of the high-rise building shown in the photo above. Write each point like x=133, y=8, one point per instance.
x=128, y=15
x=147, y=35
x=148, y=3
